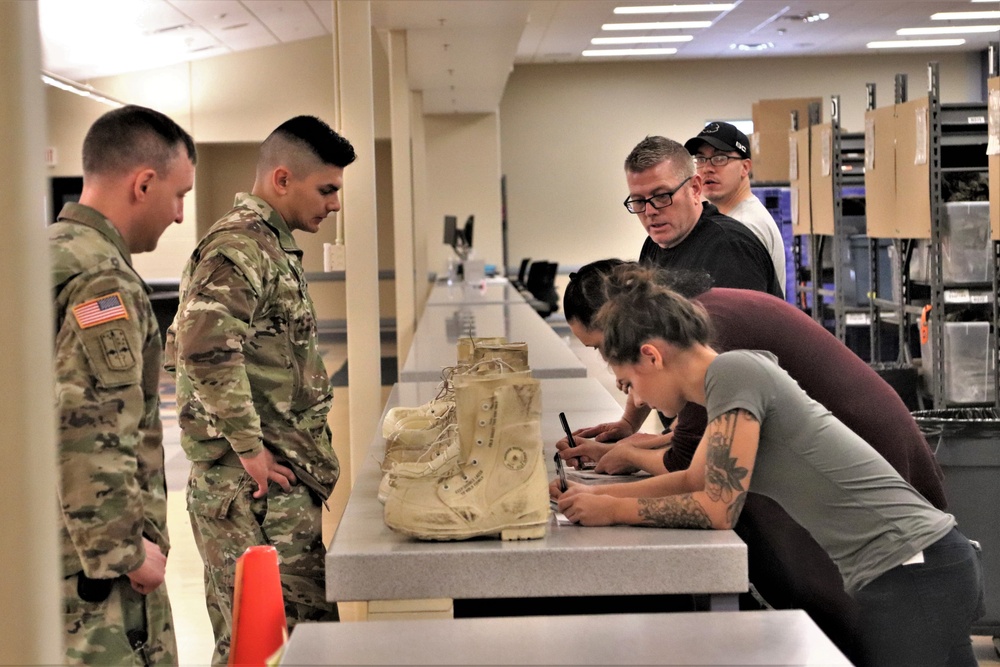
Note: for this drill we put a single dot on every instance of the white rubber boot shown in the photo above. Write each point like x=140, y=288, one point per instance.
x=513, y=356
x=414, y=437
x=466, y=345
x=501, y=486
x=440, y=459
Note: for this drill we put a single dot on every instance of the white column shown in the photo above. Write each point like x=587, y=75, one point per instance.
x=422, y=228
x=402, y=196
x=355, y=110
x=29, y=552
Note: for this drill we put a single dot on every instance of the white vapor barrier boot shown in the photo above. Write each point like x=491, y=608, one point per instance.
x=500, y=487
x=482, y=356
x=467, y=345
x=414, y=437
x=435, y=409
x=410, y=452
x=513, y=355
x=440, y=459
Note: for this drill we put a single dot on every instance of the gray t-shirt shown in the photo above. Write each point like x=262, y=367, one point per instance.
x=833, y=483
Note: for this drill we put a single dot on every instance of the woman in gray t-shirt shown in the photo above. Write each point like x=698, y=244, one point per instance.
x=917, y=580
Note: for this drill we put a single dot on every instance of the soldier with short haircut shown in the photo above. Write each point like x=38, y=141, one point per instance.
x=252, y=391
x=137, y=166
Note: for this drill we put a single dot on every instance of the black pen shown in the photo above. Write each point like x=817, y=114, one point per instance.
x=569, y=435
x=561, y=468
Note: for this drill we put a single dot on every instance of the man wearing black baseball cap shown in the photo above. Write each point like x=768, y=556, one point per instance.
x=722, y=155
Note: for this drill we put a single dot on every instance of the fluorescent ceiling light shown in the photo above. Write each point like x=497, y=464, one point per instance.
x=914, y=43
x=630, y=52
x=662, y=25
x=662, y=39
x=80, y=89
x=675, y=9
x=763, y=46
x=813, y=18
x=964, y=16
x=949, y=30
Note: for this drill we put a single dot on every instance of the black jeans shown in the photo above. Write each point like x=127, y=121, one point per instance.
x=922, y=614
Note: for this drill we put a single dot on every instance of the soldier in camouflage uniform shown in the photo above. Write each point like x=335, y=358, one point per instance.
x=252, y=391
x=138, y=165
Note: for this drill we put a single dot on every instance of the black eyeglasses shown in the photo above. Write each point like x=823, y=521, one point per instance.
x=716, y=160
x=662, y=200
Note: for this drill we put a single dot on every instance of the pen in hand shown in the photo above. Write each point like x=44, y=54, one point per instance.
x=569, y=435
x=561, y=468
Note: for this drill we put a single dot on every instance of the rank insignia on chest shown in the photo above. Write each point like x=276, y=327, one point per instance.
x=100, y=310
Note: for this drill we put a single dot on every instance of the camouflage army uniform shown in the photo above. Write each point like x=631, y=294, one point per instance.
x=112, y=489
x=244, y=347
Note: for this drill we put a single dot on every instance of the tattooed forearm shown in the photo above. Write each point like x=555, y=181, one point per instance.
x=673, y=512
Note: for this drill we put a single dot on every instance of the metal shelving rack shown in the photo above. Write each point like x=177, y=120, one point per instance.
x=804, y=284
x=951, y=127
x=904, y=313
x=846, y=156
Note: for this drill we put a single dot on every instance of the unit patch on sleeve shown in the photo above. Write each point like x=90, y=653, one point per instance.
x=98, y=311
x=117, y=352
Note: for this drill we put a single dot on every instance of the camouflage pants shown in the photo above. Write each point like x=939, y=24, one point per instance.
x=227, y=520
x=94, y=632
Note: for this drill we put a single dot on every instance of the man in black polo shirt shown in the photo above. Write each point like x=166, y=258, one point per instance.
x=665, y=191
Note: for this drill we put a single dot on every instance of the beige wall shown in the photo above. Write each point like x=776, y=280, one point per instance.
x=222, y=171
x=234, y=98
x=229, y=103
x=560, y=137
x=566, y=130
x=463, y=175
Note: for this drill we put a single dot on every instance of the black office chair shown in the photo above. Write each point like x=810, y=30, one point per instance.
x=522, y=274
x=541, y=285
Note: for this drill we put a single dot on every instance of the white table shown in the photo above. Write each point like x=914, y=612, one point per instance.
x=441, y=326
x=366, y=561
x=703, y=638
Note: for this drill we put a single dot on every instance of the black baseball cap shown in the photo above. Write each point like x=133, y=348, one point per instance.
x=722, y=136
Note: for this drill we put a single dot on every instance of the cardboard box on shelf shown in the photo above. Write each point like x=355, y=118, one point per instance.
x=775, y=115
x=769, y=141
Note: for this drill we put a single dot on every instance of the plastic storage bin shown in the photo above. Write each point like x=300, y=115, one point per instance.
x=968, y=364
x=778, y=202
x=966, y=246
x=856, y=282
x=966, y=443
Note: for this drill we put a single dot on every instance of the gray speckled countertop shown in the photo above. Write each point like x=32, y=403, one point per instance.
x=702, y=638
x=367, y=561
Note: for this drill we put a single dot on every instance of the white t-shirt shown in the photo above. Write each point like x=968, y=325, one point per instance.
x=753, y=214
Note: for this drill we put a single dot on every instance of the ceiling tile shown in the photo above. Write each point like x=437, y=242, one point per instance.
x=288, y=20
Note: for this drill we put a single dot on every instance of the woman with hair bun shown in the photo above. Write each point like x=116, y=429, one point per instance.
x=917, y=580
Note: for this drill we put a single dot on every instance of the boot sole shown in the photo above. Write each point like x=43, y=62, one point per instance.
x=531, y=531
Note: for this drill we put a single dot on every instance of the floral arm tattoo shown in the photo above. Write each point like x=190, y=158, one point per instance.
x=723, y=483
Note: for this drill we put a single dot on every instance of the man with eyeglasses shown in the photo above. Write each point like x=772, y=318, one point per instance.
x=722, y=156
x=685, y=232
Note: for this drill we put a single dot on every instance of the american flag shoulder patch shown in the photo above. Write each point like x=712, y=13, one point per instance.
x=100, y=310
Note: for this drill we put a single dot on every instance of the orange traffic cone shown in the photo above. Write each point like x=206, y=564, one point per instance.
x=259, y=625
